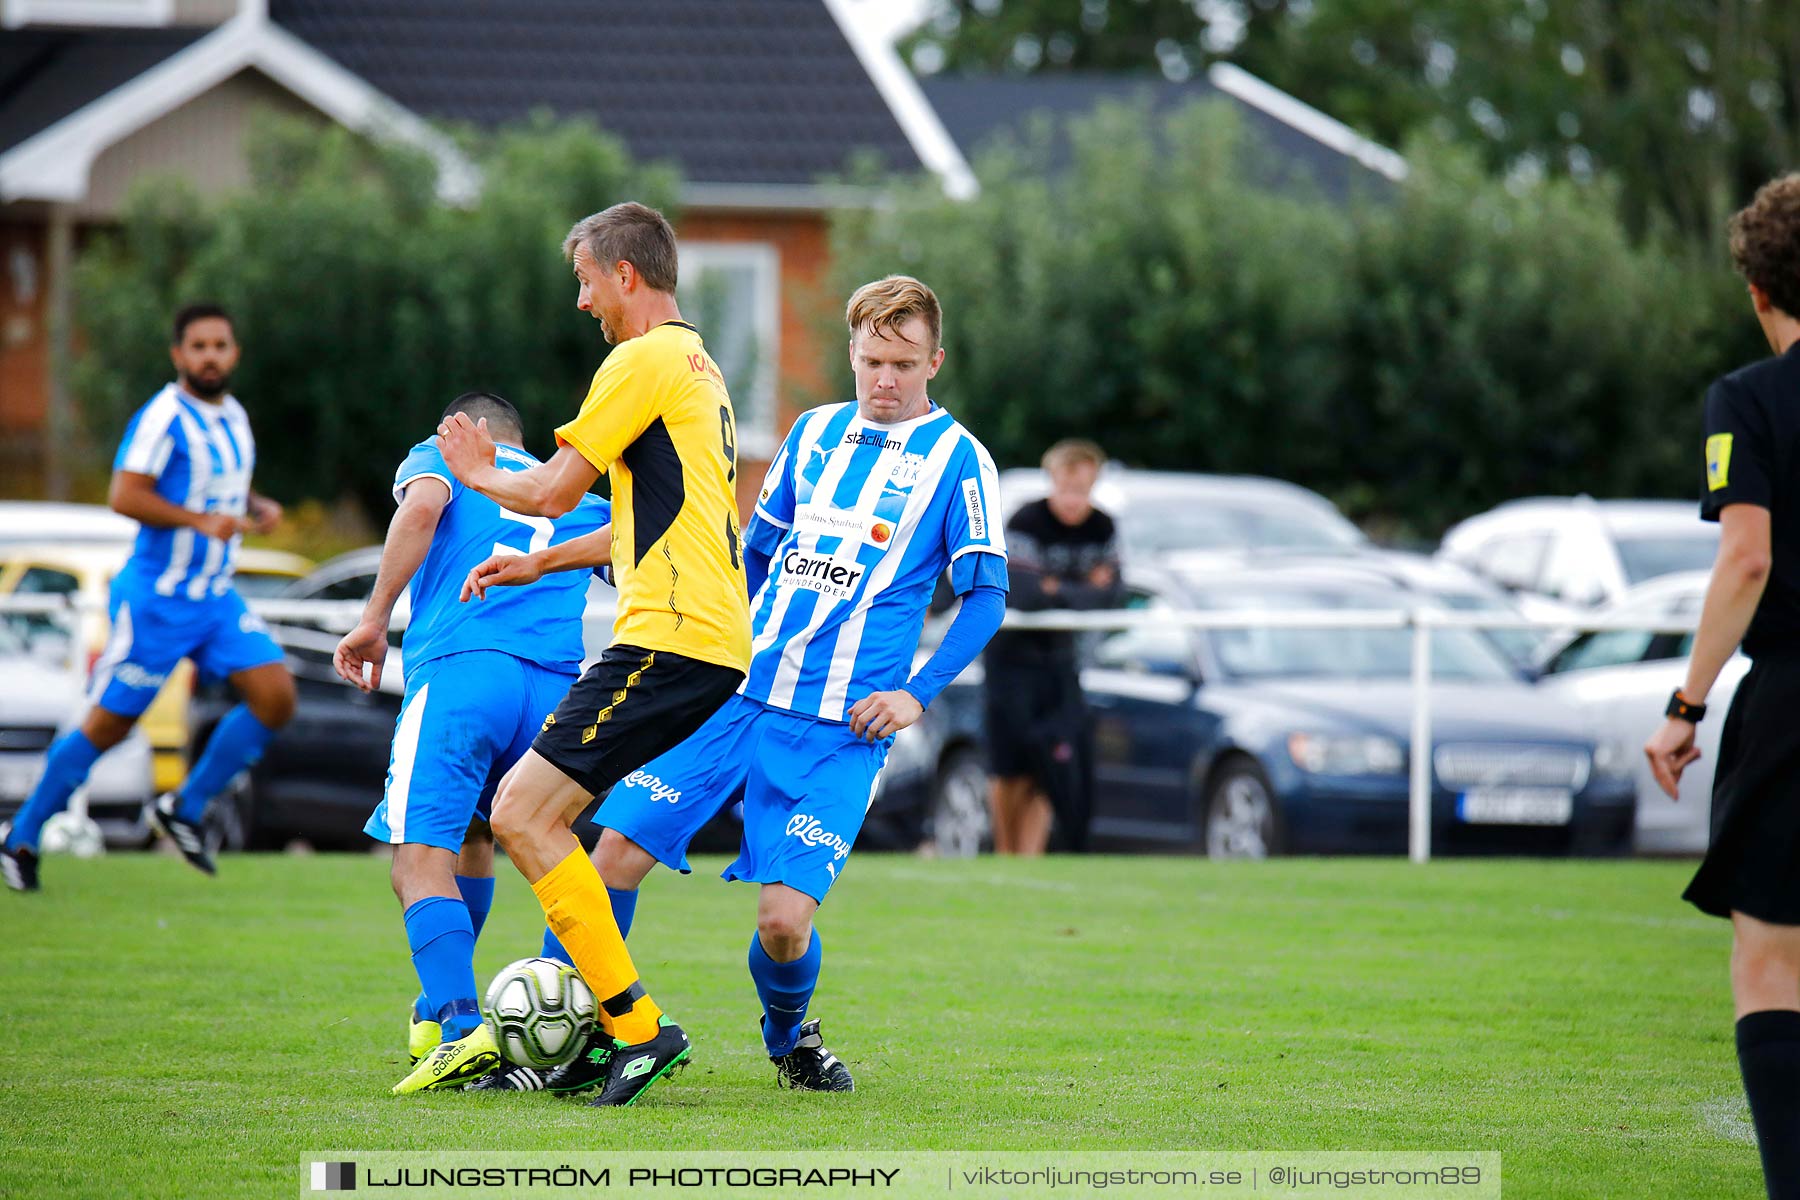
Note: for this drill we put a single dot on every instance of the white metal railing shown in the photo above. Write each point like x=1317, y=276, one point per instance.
x=1422, y=620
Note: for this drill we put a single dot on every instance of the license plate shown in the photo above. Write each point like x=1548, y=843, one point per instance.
x=1515, y=806
x=16, y=776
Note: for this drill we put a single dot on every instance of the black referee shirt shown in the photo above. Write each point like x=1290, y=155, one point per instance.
x=1752, y=453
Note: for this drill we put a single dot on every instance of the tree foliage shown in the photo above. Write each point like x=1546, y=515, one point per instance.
x=363, y=303
x=1688, y=104
x=1417, y=358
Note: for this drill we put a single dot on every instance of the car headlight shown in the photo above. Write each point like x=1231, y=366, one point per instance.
x=1611, y=760
x=1337, y=754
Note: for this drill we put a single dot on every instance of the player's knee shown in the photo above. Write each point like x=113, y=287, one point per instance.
x=106, y=729
x=785, y=932
x=478, y=831
x=511, y=819
x=275, y=707
x=622, y=863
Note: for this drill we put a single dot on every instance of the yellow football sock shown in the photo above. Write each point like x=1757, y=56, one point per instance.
x=579, y=913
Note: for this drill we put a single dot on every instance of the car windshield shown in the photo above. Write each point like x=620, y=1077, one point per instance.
x=1164, y=524
x=1281, y=653
x=1647, y=556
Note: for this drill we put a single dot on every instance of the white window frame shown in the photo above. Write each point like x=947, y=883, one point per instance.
x=756, y=413
x=129, y=13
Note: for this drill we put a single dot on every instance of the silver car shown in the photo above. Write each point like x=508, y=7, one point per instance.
x=1620, y=681
x=40, y=698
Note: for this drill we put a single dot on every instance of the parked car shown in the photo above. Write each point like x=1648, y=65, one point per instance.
x=1581, y=551
x=1159, y=512
x=81, y=572
x=1258, y=741
x=39, y=699
x=62, y=524
x=1620, y=681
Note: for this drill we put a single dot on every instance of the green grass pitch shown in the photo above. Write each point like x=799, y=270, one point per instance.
x=170, y=1035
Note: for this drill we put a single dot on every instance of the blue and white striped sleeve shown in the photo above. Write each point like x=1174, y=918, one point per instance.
x=774, y=514
x=149, y=439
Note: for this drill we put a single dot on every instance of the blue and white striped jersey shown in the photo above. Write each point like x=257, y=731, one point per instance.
x=201, y=455
x=860, y=520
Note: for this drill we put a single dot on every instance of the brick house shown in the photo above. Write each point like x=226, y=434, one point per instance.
x=755, y=100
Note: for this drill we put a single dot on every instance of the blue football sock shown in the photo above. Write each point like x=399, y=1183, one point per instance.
x=443, y=953
x=624, y=907
x=785, y=989
x=66, y=767
x=238, y=742
x=478, y=895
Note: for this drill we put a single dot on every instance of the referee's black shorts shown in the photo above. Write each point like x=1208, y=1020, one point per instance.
x=1753, y=863
x=630, y=706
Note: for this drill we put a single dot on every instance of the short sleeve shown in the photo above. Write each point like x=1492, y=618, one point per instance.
x=424, y=461
x=978, y=569
x=620, y=405
x=149, y=440
x=971, y=518
x=1737, y=451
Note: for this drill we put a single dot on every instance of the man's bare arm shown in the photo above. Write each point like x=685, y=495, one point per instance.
x=408, y=541
x=515, y=570
x=134, y=495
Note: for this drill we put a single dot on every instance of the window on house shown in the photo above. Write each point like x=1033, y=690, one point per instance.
x=14, y=13
x=732, y=292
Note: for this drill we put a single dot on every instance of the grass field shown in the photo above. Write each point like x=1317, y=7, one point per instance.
x=170, y=1035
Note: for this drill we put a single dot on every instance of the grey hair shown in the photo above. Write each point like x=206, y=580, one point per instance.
x=633, y=233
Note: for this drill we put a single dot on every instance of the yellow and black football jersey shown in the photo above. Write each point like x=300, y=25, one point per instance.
x=658, y=420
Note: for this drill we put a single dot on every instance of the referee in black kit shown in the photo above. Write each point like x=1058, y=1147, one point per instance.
x=1751, y=872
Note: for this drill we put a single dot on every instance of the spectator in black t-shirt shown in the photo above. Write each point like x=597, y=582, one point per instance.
x=1751, y=872
x=1061, y=553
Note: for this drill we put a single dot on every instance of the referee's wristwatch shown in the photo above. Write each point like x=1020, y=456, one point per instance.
x=1681, y=710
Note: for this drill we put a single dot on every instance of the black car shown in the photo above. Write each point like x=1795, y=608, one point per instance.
x=1263, y=740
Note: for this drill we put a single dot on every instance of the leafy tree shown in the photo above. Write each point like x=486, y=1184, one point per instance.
x=1418, y=358
x=1688, y=104
x=1059, y=35
x=364, y=303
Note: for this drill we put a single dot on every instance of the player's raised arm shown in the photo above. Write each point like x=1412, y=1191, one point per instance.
x=549, y=490
x=516, y=570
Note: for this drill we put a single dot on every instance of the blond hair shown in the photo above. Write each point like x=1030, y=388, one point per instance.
x=889, y=303
x=1070, y=451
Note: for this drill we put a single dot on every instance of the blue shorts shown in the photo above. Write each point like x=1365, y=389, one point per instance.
x=466, y=719
x=152, y=633
x=805, y=783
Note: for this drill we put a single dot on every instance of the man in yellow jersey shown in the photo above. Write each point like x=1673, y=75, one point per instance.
x=658, y=420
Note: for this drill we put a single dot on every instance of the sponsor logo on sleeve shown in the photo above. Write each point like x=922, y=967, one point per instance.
x=1718, y=461
x=977, y=516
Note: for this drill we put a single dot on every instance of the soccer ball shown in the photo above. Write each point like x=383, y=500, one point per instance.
x=540, y=1011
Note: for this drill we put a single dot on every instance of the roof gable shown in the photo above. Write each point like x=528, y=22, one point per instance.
x=751, y=92
x=978, y=108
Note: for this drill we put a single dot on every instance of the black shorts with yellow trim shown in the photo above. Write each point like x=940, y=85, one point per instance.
x=630, y=706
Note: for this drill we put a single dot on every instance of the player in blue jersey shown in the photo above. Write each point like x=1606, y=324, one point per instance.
x=479, y=680
x=865, y=505
x=183, y=473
